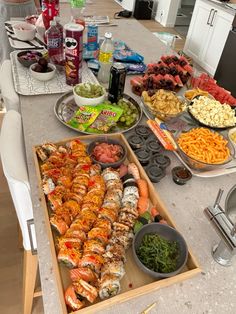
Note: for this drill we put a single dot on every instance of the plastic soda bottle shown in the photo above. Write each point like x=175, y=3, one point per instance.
x=105, y=58
x=54, y=36
x=50, y=8
x=77, y=9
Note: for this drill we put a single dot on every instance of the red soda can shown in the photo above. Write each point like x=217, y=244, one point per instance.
x=73, y=52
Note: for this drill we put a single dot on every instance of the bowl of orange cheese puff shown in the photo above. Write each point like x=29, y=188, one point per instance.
x=204, y=149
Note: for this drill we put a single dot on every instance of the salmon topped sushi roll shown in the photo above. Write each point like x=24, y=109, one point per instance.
x=91, y=260
x=85, y=290
x=94, y=246
x=71, y=299
x=84, y=273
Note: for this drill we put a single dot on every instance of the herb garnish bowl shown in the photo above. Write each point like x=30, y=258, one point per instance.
x=177, y=252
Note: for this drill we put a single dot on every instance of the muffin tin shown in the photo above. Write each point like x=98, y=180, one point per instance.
x=149, y=152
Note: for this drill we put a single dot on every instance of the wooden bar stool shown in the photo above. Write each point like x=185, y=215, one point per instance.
x=15, y=170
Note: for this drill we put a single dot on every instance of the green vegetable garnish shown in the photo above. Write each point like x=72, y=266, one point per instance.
x=158, y=254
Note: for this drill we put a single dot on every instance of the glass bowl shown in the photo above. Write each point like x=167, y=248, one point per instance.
x=204, y=166
x=152, y=112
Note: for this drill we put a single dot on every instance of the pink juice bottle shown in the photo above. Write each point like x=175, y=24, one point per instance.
x=50, y=8
x=54, y=36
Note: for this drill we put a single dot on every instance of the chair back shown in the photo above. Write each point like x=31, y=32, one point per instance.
x=9, y=96
x=15, y=170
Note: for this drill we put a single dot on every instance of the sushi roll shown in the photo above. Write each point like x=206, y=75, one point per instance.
x=71, y=299
x=94, y=246
x=110, y=174
x=130, y=200
x=109, y=286
x=95, y=169
x=115, y=252
x=109, y=214
x=73, y=232
x=85, y=290
x=103, y=223
x=127, y=219
x=84, y=273
x=133, y=169
x=59, y=224
x=130, y=210
x=131, y=190
x=91, y=260
x=99, y=234
x=69, y=257
x=115, y=268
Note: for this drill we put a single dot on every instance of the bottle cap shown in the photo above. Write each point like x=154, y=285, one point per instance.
x=108, y=35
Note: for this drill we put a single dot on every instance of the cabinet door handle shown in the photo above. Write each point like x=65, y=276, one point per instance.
x=209, y=16
x=213, y=17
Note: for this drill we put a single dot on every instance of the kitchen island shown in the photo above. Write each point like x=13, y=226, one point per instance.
x=212, y=291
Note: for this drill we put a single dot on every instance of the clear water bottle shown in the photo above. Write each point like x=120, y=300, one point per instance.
x=54, y=36
x=105, y=58
x=77, y=11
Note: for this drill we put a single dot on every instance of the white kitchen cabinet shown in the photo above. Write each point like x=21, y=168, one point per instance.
x=207, y=34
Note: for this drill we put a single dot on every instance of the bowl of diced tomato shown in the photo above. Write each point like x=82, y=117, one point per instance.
x=107, y=152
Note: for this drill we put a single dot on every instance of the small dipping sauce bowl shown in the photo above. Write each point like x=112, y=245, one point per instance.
x=181, y=175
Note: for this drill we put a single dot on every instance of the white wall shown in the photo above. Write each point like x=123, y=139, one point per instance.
x=167, y=12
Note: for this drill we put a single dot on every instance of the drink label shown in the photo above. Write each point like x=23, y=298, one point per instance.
x=54, y=43
x=105, y=57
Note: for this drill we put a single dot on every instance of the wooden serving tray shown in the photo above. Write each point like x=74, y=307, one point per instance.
x=135, y=282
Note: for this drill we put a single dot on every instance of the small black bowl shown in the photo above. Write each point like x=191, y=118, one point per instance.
x=99, y=140
x=168, y=233
x=28, y=61
x=154, y=145
x=143, y=131
x=181, y=175
x=135, y=141
x=161, y=161
x=155, y=173
x=144, y=156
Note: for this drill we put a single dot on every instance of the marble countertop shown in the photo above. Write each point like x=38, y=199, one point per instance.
x=214, y=289
x=222, y=5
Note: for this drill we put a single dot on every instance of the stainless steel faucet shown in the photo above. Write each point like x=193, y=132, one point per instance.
x=226, y=249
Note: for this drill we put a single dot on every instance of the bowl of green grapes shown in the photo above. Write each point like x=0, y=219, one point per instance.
x=89, y=94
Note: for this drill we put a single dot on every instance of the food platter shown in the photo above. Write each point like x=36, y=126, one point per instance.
x=65, y=109
x=206, y=125
x=135, y=282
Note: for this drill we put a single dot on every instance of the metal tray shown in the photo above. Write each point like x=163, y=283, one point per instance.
x=65, y=108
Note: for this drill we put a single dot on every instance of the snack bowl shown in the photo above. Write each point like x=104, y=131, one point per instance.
x=153, y=111
x=43, y=76
x=28, y=57
x=168, y=233
x=232, y=136
x=102, y=154
x=200, y=165
x=24, y=31
x=87, y=89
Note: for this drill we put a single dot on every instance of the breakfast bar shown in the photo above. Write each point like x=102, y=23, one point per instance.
x=211, y=291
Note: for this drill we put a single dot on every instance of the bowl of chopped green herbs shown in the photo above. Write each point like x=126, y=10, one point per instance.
x=159, y=250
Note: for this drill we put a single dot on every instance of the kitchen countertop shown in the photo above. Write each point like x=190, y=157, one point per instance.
x=222, y=5
x=212, y=291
